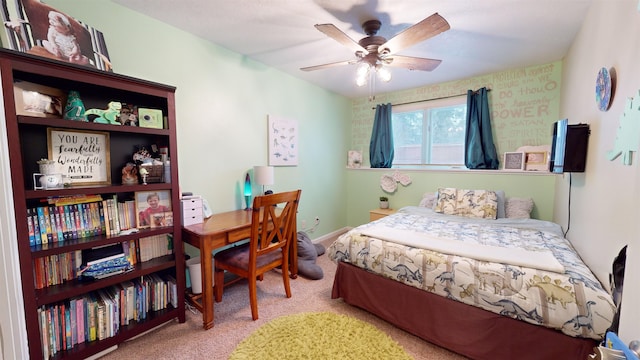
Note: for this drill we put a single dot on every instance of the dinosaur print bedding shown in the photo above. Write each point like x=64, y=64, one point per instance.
x=571, y=300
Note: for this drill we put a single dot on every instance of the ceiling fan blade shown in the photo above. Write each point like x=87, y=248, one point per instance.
x=412, y=63
x=425, y=29
x=324, y=66
x=333, y=32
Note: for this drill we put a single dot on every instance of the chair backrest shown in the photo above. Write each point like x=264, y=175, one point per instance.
x=273, y=227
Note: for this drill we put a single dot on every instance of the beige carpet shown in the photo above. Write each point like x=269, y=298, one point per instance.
x=233, y=322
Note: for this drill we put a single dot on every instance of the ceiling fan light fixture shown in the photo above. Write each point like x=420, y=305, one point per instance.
x=383, y=73
x=363, y=69
x=361, y=80
x=362, y=73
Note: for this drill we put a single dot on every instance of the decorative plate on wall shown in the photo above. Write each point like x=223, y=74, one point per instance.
x=603, y=89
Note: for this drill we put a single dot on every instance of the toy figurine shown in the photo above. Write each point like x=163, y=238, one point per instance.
x=109, y=116
x=129, y=174
x=74, y=110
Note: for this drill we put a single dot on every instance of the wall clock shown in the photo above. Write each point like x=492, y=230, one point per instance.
x=603, y=90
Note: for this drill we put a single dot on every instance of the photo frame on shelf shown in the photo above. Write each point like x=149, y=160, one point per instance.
x=153, y=205
x=38, y=100
x=32, y=24
x=81, y=156
x=150, y=118
x=354, y=159
x=161, y=219
x=536, y=161
x=514, y=160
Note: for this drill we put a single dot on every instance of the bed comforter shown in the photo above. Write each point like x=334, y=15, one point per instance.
x=569, y=298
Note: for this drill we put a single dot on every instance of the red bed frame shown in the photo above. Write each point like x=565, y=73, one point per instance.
x=461, y=328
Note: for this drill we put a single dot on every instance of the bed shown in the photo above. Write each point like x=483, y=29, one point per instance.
x=483, y=285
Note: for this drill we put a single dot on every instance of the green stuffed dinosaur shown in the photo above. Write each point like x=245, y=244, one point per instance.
x=108, y=116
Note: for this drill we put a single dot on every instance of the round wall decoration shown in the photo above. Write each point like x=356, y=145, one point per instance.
x=388, y=183
x=603, y=89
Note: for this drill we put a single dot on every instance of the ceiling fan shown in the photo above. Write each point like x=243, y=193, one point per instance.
x=374, y=52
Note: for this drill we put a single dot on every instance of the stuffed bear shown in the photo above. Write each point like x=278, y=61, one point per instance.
x=307, y=254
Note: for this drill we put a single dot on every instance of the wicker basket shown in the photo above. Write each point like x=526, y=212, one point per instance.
x=155, y=173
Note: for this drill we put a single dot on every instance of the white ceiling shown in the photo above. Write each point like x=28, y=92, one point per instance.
x=485, y=36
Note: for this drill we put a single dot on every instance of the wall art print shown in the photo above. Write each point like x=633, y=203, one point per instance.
x=283, y=141
x=36, y=28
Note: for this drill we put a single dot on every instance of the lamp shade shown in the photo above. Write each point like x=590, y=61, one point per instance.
x=263, y=175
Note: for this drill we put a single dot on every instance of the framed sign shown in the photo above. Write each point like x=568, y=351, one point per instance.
x=514, y=161
x=82, y=157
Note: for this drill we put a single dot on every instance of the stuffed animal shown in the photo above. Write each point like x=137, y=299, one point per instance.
x=308, y=252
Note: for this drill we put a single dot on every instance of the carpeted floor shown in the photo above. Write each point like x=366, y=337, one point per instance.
x=232, y=318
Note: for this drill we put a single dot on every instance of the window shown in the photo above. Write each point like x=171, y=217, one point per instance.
x=430, y=132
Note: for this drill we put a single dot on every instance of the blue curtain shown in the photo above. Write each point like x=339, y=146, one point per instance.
x=381, y=145
x=479, y=150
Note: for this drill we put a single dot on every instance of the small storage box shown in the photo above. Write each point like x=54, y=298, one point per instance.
x=191, y=210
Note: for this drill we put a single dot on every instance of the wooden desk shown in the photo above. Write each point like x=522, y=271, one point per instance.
x=215, y=232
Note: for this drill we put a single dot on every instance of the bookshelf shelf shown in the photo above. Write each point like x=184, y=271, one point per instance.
x=87, y=243
x=74, y=288
x=56, y=295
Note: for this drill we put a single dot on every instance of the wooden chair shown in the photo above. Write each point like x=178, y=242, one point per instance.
x=273, y=231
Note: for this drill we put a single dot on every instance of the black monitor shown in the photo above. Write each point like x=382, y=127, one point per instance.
x=569, y=147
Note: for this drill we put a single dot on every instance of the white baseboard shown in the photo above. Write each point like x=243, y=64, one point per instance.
x=330, y=235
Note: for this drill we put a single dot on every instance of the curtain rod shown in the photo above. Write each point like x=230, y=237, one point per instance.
x=439, y=98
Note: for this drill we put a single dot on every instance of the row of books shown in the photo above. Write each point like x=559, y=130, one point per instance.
x=152, y=247
x=101, y=314
x=63, y=219
x=58, y=268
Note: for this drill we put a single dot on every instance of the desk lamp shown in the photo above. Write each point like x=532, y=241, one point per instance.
x=264, y=175
x=247, y=191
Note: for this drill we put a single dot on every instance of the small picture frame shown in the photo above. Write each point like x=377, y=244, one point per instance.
x=514, y=160
x=38, y=100
x=150, y=203
x=150, y=118
x=354, y=159
x=161, y=219
x=536, y=161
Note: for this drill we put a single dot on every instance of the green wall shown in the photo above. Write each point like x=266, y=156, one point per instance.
x=364, y=189
x=524, y=103
x=223, y=100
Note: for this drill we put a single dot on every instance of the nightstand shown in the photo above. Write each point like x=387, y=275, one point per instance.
x=376, y=214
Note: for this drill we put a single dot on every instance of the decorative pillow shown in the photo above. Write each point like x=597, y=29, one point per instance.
x=428, y=200
x=469, y=203
x=518, y=208
x=501, y=202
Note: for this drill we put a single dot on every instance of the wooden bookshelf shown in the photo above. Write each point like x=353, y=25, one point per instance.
x=28, y=142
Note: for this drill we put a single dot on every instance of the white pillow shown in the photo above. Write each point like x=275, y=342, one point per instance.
x=428, y=200
x=518, y=208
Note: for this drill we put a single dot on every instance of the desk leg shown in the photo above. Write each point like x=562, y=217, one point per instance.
x=207, y=285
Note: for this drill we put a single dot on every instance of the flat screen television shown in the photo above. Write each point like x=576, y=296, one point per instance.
x=569, y=147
